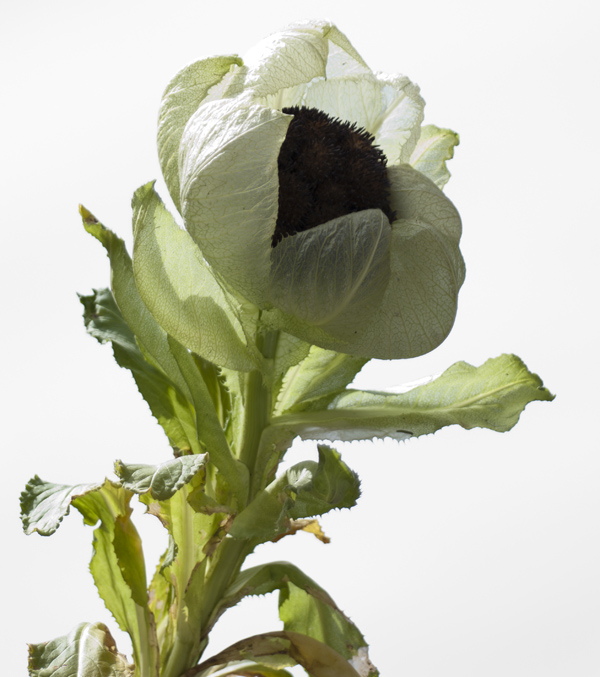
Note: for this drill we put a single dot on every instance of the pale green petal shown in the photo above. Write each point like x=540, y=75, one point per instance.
x=419, y=304
x=427, y=271
x=398, y=132
x=180, y=290
x=434, y=148
x=327, y=276
x=300, y=53
x=356, y=100
x=389, y=107
x=415, y=197
x=230, y=189
x=184, y=94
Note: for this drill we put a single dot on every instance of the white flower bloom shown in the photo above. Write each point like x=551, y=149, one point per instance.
x=381, y=280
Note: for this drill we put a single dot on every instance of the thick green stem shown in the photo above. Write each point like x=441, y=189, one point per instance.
x=257, y=403
x=227, y=561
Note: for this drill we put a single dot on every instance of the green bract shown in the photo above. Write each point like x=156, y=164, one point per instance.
x=356, y=284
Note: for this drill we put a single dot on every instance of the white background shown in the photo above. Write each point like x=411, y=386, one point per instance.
x=470, y=554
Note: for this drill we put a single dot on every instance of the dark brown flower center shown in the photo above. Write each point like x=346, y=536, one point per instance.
x=327, y=168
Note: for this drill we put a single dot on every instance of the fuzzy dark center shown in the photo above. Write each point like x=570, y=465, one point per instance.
x=327, y=168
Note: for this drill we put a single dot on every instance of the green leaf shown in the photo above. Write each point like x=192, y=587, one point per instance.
x=304, y=607
x=130, y=557
x=150, y=335
x=308, y=612
x=251, y=669
x=181, y=574
x=163, y=480
x=186, y=91
x=334, y=485
x=167, y=403
x=306, y=489
x=290, y=352
x=117, y=565
x=208, y=426
x=88, y=651
x=180, y=290
x=265, y=578
x=491, y=396
x=43, y=504
x=281, y=649
x=434, y=148
x=320, y=377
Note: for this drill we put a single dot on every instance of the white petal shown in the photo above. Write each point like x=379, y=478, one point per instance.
x=399, y=127
x=182, y=97
x=389, y=107
x=230, y=189
x=434, y=148
x=292, y=57
x=299, y=54
x=426, y=271
x=329, y=275
x=356, y=99
x=415, y=197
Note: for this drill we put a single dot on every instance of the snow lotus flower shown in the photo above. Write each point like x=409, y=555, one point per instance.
x=339, y=231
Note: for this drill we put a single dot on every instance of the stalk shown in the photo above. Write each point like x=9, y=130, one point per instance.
x=229, y=557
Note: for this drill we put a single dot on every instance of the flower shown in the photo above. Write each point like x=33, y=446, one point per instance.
x=358, y=258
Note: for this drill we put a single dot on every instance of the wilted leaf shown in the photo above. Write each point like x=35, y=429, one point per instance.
x=88, y=651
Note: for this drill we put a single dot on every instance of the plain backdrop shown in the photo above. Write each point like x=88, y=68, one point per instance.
x=469, y=554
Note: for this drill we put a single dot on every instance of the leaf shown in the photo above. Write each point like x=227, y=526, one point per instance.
x=163, y=480
x=117, y=565
x=265, y=578
x=284, y=649
x=314, y=382
x=305, y=490
x=208, y=426
x=167, y=402
x=179, y=581
x=180, y=290
x=245, y=668
x=130, y=558
x=290, y=352
x=150, y=335
x=305, y=608
x=43, y=504
x=88, y=651
x=491, y=396
x=310, y=526
x=308, y=613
